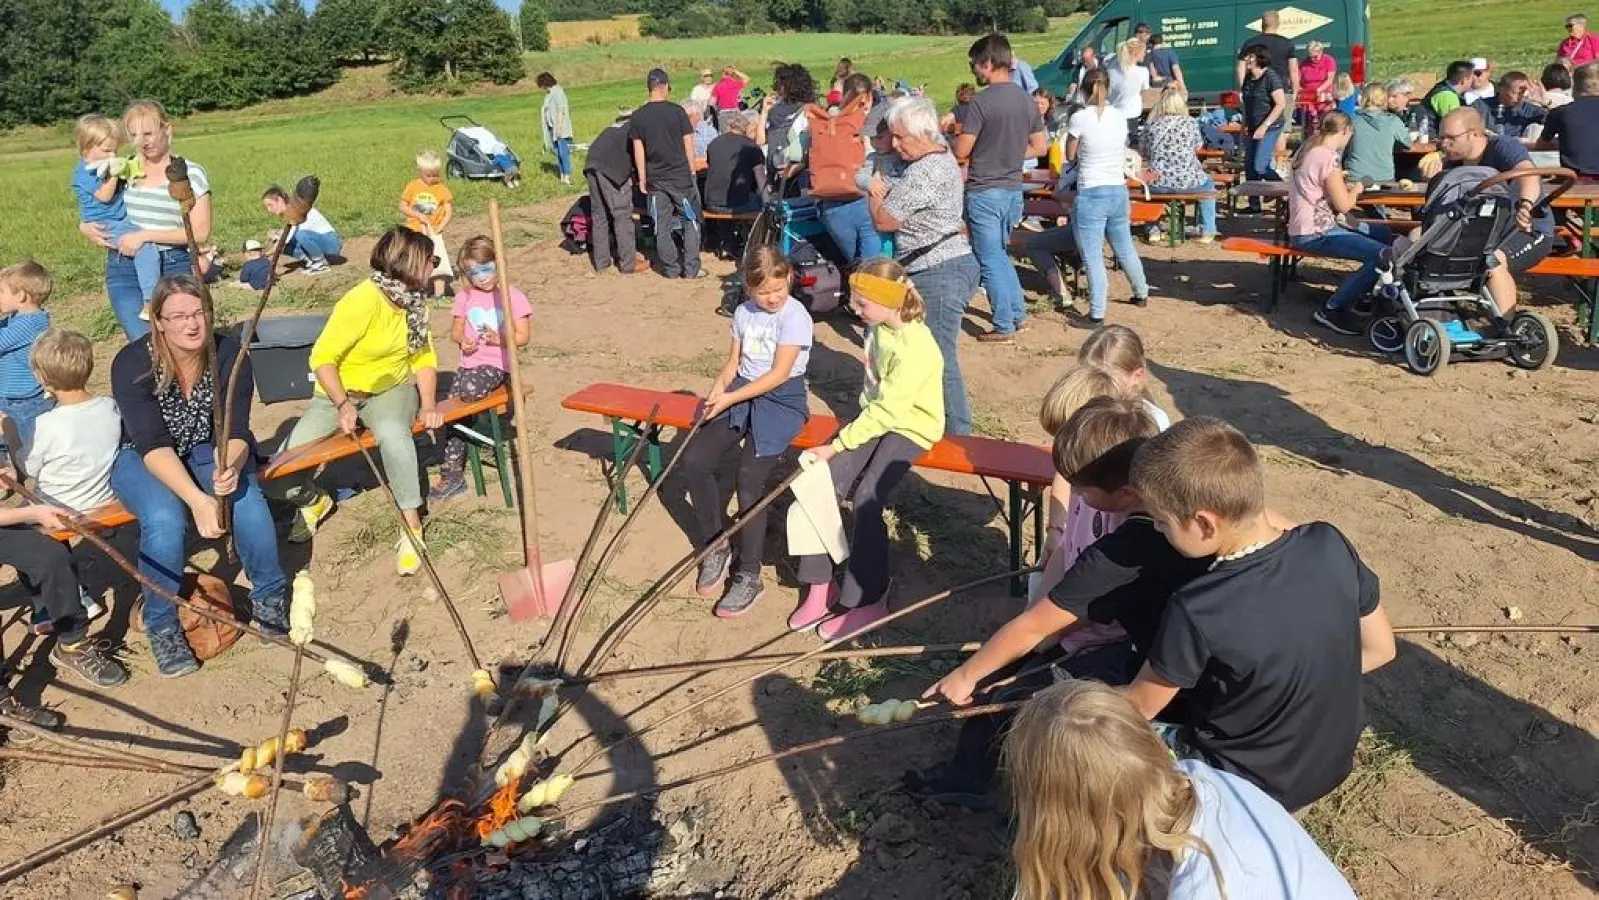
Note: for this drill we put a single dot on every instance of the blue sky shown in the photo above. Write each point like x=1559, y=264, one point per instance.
x=176, y=7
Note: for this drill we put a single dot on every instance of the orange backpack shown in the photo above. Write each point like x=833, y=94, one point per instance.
x=837, y=152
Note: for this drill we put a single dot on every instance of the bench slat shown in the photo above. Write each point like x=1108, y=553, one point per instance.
x=1555, y=266
x=966, y=455
x=338, y=446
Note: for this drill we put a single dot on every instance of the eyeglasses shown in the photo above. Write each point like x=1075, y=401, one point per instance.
x=184, y=318
x=1455, y=137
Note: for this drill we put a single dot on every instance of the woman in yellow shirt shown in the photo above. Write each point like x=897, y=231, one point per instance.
x=374, y=363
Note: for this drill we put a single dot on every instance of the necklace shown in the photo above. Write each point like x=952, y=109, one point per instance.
x=1231, y=557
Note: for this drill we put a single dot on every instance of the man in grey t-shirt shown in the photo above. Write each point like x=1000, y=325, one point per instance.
x=998, y=129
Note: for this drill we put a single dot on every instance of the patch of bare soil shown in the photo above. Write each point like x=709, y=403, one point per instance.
x=1467, y=494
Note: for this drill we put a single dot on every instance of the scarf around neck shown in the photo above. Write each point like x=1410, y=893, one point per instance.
x=413, y=303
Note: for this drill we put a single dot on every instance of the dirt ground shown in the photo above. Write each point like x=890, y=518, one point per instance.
x=1468, y=495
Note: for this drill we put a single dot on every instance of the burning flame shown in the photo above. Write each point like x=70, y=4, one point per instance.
x=501, y=810
x=353, y=892
x=433, y=834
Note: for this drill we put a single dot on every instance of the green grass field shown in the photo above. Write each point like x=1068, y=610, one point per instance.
x=360, y=139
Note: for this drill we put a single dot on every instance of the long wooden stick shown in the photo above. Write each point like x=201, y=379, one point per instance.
x=571, y=613
x=87, y=532
x=96, y=750
x=624, y=625
x=967, y=712
x=83, y=761
x=779, y=666
x=277, y=775
x=422, y=552
x=1504, y=629
x=702, y=666
x=107, y=826
x=615, y=543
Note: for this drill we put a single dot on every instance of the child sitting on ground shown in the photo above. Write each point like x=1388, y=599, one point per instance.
x=24, y=287
x=761, y=387
x=1124, y=578
x=428, y=206
x=902, y=417
x=97, y=182
x=1101, y=810
x=46, y=570
x=256, y=270
x=485, y=362
x=1268, y=645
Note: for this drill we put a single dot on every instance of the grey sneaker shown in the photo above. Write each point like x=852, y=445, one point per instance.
x=711, y=569
x=270, y=614
x=37, y=716
x=88, y=662
x=172, y=654
x=743, y=590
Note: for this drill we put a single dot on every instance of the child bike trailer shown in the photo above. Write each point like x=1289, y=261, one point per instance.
x=476, y=152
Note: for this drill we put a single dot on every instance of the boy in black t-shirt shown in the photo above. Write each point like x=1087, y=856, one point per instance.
x=1124, y=578
x=1262, y=653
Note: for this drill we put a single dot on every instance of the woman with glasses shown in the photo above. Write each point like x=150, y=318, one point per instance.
x=374, y=363
x=170, y=473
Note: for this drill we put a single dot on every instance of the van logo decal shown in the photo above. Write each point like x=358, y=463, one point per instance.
x=1294, y=22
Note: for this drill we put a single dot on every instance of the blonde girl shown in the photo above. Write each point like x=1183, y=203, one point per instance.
x=1103, y=812
x=902, y=417
x=1318, y=196
x=485, y=361
x=1346, y=94
x=761, y=390
x=1119, y=351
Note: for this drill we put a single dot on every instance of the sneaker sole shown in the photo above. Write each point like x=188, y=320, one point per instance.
x=188, y=670
x=1328, y=323
x=62, y=666
x=722, y=613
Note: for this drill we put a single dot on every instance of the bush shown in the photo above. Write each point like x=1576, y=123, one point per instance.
x=1033, y=19
x=535, y=26
x=348, y=29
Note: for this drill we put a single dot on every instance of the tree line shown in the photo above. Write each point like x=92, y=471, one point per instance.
x=67, y=57
x=699, y=18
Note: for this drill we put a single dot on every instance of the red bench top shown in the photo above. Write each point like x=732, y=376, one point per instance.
x=965, y=454
x=306, y=456
x=1557, y=266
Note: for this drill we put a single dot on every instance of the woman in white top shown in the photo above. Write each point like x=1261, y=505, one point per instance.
x=1128, y=79
x=1103, y=811
x=1096, y=137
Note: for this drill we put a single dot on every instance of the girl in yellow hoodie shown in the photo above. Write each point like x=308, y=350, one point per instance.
x=902, y=417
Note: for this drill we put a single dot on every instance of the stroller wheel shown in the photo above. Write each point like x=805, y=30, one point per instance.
x=455, y=170
x=1533, y=341
x=1387, y=334
x=1427, y=347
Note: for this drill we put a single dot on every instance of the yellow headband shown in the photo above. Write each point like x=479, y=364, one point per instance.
x=882, y=291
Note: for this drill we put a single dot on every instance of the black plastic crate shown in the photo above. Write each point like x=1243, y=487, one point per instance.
x=280, y=355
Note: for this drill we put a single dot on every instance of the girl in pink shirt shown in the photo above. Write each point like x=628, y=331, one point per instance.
x=485, y=360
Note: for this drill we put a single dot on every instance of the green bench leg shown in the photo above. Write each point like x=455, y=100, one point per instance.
x=1275, y=273
x=1018, y=584
x=624, y=435
x=475, y=460
x=1174, y=223
x=1590, y=290
x=502, y=463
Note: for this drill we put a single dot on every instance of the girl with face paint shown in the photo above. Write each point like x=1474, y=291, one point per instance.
x=485, y=361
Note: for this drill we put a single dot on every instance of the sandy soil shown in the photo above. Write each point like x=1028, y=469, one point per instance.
x=1467, y=494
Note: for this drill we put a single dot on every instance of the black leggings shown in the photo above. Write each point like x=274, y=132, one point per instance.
x=867, y=476
x=470, y=385
x=46, y=570
x=703, y=457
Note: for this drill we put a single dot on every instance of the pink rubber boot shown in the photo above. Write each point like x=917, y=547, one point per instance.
x=814, y=608
x=852, y=621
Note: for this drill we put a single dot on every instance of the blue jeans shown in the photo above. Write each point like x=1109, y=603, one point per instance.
x=146, y=261
x=991, y=215
x=122, y=285
x=563, y=156
x=164, y=530
x=1207, y=208
x=1100, y=213
x=24, y=412
x=850, y=225
x=315, y=245
x=1258, y=156
x=947, y=288
x=1341, y=243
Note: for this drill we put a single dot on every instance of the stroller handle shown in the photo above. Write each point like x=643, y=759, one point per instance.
x=1564, y=180
x=445, y=121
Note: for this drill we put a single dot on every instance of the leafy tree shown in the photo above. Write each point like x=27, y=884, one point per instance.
x=787, y=13
x=135, y=53
x=40, y=70
x=414, y=30
x=480, y=41
x=349, y=28
x=535, y=26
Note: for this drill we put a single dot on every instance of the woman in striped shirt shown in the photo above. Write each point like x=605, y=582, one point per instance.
x=155, y=212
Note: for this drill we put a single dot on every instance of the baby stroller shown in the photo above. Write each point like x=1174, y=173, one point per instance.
x=476, y=152
x=1432, y=301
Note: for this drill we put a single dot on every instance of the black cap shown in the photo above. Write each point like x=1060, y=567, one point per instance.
x=656, y=77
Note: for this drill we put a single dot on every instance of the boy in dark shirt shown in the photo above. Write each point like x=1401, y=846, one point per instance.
x=609, y=172
x=663, y=153
x=1263, y=652
x=1124, y=578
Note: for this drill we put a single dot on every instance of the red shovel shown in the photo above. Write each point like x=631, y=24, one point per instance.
x=536, y=589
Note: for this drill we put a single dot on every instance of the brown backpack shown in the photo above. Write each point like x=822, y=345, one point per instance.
x=207, y=637
x=837, y=152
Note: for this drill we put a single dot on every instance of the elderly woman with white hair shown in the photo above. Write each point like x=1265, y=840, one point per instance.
x=704, y=131
x=923, y=208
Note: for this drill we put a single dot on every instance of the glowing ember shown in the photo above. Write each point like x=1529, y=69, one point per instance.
x=438, y=831
x=501, y=809
x=357, y=892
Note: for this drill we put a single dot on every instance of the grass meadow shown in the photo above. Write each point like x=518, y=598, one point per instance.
x=360, y=137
